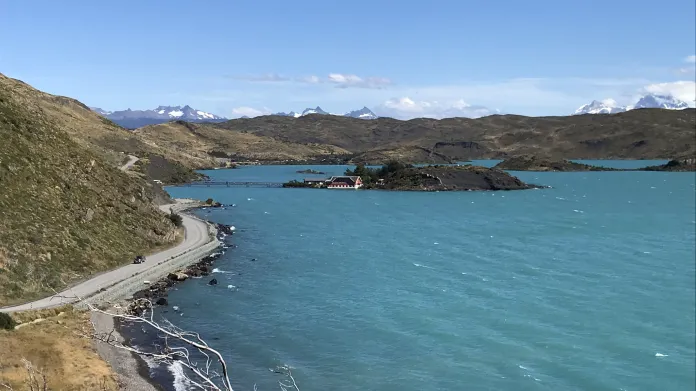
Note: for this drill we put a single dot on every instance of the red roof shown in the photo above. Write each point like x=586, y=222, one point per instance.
x=348, y=180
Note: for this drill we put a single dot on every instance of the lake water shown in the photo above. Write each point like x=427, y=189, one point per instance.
x=588, y=285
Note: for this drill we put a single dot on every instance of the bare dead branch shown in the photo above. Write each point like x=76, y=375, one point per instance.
x=203, y=377
x=289, y=383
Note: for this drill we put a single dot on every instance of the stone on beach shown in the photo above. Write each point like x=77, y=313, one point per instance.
x=177, y=276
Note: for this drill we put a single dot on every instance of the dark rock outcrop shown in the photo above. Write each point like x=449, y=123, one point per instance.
x=158, y=290
x=310, y=171
x=452, y=178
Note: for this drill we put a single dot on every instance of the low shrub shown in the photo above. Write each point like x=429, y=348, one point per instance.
x=176, y=219
x=6, y=321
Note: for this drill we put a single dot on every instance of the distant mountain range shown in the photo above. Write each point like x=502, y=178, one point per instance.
x=132, y=119
x=363, y=113
x=650, y=101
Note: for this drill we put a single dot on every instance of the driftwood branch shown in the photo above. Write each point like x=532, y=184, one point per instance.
x=203, y=377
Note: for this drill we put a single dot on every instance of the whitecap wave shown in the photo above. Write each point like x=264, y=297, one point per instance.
x=661, y=355
x=216, y=270
x=421, y=265
x=181, y=383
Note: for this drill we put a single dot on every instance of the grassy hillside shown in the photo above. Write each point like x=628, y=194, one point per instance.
x=96, y=133
x=66, y=211
x=199, y=142
x=636, y=134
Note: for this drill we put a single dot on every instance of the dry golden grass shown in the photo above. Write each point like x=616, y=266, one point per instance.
x=66, y=213
x=191, y=143
x=53, y=346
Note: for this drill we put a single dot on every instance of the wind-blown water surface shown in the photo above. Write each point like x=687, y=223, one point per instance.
x=585, y=286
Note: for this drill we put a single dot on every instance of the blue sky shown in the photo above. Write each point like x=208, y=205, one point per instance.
x=534, y=57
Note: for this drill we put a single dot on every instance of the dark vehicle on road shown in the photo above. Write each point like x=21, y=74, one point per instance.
x=139, y=259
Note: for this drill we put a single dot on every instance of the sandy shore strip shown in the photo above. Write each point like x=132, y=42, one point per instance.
x=133, y=373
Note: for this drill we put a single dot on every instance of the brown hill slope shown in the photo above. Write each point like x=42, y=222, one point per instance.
x=645, y=133
x=92, y=131
x=198, y=141
x=66, y=211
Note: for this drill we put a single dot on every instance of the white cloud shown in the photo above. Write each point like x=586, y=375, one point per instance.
x=407, y=108
x=337, y=79
x=268, y=77
x=682, y=90
x=348, y=81
x=245, y=111
x=309, y=79
x=691, y=59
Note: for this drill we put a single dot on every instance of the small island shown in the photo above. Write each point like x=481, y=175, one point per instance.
x=310, y=171
x=536, y=163
x=685, y=163
x=399, y=176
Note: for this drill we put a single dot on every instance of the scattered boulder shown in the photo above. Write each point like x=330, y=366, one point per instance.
x=162, y=301
x=225, y=229
x=177, y=276
x=89, y=215
x=214, y=281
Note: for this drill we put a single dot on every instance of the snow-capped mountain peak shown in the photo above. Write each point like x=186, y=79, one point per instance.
x=100, y=111
x=661, y=102
x=649, y=101
x=316, y=110
x=363, y=113
x=606, y=106
x=136, y=118
x=186, y=113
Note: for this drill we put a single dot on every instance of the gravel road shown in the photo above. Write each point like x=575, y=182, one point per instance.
x=131, y=161
x=196, y=234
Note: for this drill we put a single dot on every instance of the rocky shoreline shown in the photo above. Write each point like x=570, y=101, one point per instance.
x=156, y=292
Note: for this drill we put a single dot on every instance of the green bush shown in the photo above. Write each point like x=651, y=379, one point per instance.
x=6, y=321
x=176, y=219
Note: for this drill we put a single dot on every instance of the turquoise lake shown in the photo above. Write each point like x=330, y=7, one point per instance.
x=588, y=285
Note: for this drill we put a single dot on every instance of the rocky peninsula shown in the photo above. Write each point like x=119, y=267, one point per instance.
x=686, y=163
x=405, y=177
x=536, y=163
